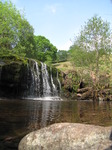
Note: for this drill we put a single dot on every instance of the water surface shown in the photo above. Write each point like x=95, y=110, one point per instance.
x=19, y=117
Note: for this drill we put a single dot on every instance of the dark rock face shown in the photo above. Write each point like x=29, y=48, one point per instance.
x=68, y=136
x=13, y=79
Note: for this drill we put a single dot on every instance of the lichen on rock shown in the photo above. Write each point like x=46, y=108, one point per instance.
x=68, y=136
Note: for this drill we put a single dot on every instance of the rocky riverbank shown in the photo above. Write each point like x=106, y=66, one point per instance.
x=85, y=88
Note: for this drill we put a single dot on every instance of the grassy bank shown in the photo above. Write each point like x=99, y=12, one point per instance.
x=64, y=66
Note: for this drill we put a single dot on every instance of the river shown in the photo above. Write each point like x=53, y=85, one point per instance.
x=19, y=117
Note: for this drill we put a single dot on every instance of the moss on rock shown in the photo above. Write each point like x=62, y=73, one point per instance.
x=13, y=73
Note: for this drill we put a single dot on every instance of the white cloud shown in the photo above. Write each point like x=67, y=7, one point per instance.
x=65, y=46
x=51, y=8
x=14, y=1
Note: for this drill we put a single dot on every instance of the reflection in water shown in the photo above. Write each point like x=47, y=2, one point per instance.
x=43, y=113
x=19, y=117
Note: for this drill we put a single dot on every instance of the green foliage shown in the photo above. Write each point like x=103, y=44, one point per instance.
x=16, y=34
x=95, y=35
x=80, y=57
x=62, y=55
x=8, y=25
x=45, y=51
x=9, y=58
x=72, y=81
x=26, y=39
x=91, y=54
x=93, y=42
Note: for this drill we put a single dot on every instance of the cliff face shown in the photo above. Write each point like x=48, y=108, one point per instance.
x=22, y=77
x=13, y=76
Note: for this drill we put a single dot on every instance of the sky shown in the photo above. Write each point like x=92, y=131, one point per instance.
x=60, y=21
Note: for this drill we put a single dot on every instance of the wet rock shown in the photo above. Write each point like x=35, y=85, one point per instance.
x=68, y=136
x=13, y=79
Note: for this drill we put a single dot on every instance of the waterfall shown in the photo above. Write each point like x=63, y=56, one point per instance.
x=45, y=77
x=58, y=81
x=43, y=82
x=54, y=89
x=37, y=79
x=34, y=74
x=32, y=87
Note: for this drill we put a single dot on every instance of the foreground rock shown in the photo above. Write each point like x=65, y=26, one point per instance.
x=68, y=136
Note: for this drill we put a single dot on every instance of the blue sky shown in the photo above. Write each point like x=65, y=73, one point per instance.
x=61, y=20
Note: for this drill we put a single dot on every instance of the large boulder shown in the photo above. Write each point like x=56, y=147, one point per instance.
x=68, y=136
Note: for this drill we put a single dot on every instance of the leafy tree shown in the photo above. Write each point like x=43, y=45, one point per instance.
x=26, y=41
x=80, y=57
x=62, y=55
x=45, y=51
x=93, y=42
x=16, y=33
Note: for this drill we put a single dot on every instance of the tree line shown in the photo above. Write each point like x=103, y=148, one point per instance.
x=17, y=36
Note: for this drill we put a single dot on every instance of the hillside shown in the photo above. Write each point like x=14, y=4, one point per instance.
x=64, y=66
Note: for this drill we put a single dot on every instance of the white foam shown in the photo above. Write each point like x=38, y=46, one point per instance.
x=55, y=98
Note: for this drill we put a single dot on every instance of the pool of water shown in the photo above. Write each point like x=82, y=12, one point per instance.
x=19, y=117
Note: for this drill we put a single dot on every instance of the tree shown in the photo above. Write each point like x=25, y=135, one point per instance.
x=26, y=41
x=62, y=55
x=45, y=51
x=16, y=33
x=80, y=57
x=91, y=52
x=94, y=40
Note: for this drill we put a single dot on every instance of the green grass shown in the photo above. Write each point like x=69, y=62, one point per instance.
x=64, y=66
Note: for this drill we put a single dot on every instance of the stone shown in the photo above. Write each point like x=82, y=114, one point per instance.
x=68, y=136
x=13, y=79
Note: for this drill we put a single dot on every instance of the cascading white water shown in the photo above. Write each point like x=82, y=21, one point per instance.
x=54, y=89
x=44, y=83
x=58, y=81
x=45, y=77
x=32, y=83
x=37, y=79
